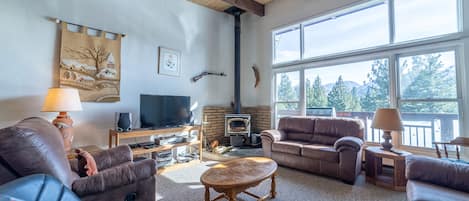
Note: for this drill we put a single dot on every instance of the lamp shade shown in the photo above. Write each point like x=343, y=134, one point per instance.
x=62, y=100
x=387, y=119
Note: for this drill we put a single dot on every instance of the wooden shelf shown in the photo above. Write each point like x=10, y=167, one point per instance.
x=115, y=137
x=150, y=132
x=138, y=151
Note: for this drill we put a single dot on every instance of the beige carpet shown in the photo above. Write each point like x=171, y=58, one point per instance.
x=292, y=185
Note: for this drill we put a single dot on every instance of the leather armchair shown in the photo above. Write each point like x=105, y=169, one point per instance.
x=37, y=187
x=434, y=179
x=35, y=146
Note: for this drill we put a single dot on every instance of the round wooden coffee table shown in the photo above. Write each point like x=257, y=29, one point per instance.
x=233, y=177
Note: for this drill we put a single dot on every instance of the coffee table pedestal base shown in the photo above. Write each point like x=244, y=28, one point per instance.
x=231, y=193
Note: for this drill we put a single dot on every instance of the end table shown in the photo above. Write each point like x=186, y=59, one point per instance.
x=394, y=179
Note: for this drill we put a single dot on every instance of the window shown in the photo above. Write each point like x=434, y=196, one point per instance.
x=287, y=94
x=355, y=90
x=429, y=100
x=418, y=19
x=366, y=26
x=287, y=45
x=355, y=61
x=363, y=27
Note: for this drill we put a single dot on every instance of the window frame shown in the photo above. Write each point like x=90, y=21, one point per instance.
x=453, y=41
x=386, y=47
x=394, y=90
x=459, y=96
x=274, y=91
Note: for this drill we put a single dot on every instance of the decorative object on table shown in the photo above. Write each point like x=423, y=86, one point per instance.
x=123, y=121
x=63, y=100
x=205, y=73
x=256, y=75
x=388, y=120
x=169, y=62
x=91, y=64
x=457, y=142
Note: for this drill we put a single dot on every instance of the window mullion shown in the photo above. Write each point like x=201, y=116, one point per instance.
x=302, y=93
x=392, y=24
x=393, y=82
x=302, y=42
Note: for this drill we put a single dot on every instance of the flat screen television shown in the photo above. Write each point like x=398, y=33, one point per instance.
x=157, y=111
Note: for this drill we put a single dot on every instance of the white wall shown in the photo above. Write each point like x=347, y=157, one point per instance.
x=29, y=45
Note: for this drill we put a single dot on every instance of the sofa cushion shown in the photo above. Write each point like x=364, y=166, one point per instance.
x=440, y=172
x=320, y=152
x=328, y=130
x=296, y=124
x=300, y=136
x=288, y=146
x=417, y=191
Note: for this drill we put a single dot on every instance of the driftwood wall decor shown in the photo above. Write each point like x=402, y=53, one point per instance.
x=91, y=64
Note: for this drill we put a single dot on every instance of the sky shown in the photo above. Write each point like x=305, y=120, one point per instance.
x=368, y=28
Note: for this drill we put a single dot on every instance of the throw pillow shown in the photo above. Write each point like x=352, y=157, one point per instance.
x=86, y=163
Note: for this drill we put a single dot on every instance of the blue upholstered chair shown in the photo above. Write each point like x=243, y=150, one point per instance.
x=37, y=187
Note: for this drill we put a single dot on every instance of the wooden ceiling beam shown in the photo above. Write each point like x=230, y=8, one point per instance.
x=248, y=5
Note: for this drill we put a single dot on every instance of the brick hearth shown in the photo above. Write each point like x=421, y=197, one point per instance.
x=214, y=118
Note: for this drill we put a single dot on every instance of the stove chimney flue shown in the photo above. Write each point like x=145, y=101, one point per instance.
x=236, y=12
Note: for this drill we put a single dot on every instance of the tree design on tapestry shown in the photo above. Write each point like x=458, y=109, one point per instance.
x=93, y=70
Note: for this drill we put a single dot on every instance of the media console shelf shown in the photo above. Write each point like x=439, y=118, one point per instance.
x=115, y=136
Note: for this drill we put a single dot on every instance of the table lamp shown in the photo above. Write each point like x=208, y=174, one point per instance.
x=388, y=120
x=63, y=100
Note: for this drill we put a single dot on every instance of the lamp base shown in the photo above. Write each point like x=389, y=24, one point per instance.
x=387, y=145
x=64, y=123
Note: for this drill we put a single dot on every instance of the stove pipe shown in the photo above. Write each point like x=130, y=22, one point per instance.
x=237, y=67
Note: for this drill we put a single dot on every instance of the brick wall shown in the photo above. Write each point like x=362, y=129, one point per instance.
x=214, y=120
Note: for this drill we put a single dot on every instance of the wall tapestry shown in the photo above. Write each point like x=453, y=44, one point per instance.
x=91, y=64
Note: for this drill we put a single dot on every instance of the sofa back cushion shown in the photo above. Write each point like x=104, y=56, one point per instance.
x=329, y=130
x=35, y=146
x=297, y=128
x=454, y=175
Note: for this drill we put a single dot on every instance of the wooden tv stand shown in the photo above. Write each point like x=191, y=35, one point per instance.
x=117, y=136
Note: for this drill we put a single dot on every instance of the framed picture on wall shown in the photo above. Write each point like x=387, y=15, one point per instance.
x=169, y=62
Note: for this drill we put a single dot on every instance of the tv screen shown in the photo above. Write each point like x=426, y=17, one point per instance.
x=158, y=111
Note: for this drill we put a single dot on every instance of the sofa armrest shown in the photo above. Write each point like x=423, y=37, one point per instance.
x=273, y=135
x=115, y=177
x=348, y=143
x=440, y=172
x=112, y=157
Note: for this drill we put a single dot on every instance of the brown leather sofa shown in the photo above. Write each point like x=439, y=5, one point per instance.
x=35, y=146
x=432, y=179
x=326, y=146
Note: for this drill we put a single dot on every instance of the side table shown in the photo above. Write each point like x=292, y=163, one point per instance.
x=393, y=179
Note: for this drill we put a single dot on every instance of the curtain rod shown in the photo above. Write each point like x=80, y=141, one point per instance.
x=58, y=21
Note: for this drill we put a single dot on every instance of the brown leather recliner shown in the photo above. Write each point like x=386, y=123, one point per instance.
x=35, y=146
x=327, y=146
x=434, y=179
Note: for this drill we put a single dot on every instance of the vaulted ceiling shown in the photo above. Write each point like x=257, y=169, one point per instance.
x=253, y=6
